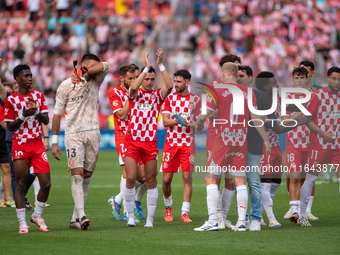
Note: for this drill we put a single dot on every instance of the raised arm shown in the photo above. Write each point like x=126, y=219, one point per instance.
x=167, y=88
x=138, y=82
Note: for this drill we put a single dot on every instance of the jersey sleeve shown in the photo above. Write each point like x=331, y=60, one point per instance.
x=197, y=109
x=166, y=106
x=61, y=100
x=43, y=106
x=115, y=101
x=159, y=93
x=9, y=111
x=211, y=103
x=313, y=104
x=101, y=76
x=2, y=113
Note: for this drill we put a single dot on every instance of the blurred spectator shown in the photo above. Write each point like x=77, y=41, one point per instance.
x=34, y=7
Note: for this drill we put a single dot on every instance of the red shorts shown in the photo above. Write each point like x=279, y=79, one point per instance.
x=34, y=151
x=231, y=159
x=296, y=159
x=272, y=163
x=173, y=156
x=141, y=151
x=120, y=147
x=318, y=159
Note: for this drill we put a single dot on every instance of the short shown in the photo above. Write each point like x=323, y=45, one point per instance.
x=141, y=151
x=120, y=147
x=82, y=149
x=227, y=159
x=272, y=163
x=4, y=159
x=296, y=159
x=318, y=159
x=34, y=152
x=211, y=136
x=173, y=156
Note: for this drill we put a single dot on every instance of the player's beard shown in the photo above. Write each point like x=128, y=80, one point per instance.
x=180, y=89
x=126, y=85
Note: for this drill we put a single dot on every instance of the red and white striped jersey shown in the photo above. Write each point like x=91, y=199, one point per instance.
x=234, y=132
x=325, y=109
x=189, y=106
x=144, y=111
x=272, y=136
x=299, y=136
x=31, y=127
x=118, y=98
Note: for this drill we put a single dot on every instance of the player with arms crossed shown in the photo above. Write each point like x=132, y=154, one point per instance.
x=79, y=100
x=119, y=102
x=324, y=106
x=141, y=138
x=25, y=111
x=179, y=145
x=230, y=148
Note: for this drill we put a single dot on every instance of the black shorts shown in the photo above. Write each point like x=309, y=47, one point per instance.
x=4, y=158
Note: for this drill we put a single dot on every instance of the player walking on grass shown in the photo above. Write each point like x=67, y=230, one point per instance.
x=25, y=111
x=119, y=101
x=230, y=148
x=179, y=145
x=141, y=138
x=324, y=106
x=79, y=99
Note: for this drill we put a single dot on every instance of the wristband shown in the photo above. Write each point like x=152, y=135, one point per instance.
x=146, y=70
x=55, y=139
x=22, y=117
x=46, y=137
x=162, y=68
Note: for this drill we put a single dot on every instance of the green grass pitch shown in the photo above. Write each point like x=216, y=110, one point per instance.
x=108, y=236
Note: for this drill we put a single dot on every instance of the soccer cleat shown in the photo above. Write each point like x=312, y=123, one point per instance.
x=274, y=224
x=37, y=220
x=27, y=204
x=255, y=225
x=131, y=223
x=220, y=223
x=262, y=223
x=75, y=224
x=185, y=218
x=310, y=216
x=149, y=224
x=9, y=203
x=85, y=223
x=136, y=219
x=125, y=216
x=115, y=208
x=168, y=214
x=207, y=226
x=228, y=224
x=240, y=228
x=23, y=229
x=304, y=222
x=139, y=210
x=288, y=214
x=319, y=182
x=294, y=217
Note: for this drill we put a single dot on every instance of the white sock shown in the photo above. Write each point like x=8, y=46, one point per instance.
x=2, y=189
x=273, y=189
x=36, y=186
x=212, y=201
x=294, y=205
x=39, y=207
x=168, y=201
x=86, y=185
x=242, y=201
x=326, y=175
x=305, y=192
x=185, y=207
x=141, y=191
x=129, y=197
x=267, y=200
x=151, y=200
x=226, y=199
x=310, y=204
x=75, y=214
x=78, y=194
x=120, y=197
x=21, y=214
